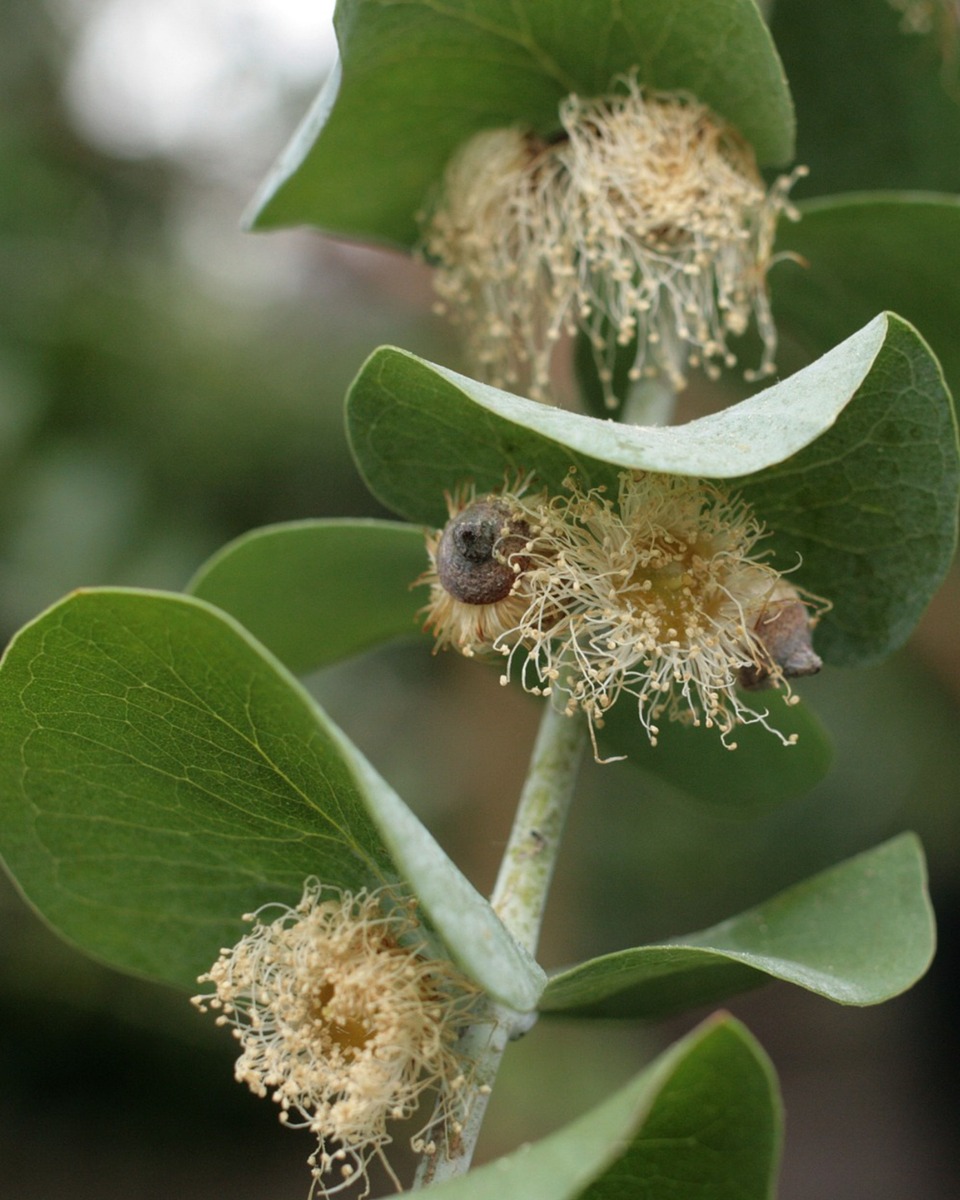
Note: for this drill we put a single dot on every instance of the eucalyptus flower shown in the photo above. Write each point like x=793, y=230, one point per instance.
x=345, y=1020
x=662, y=594
x=645, y=223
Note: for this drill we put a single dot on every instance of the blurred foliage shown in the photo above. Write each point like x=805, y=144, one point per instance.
x=877, y=108
x=146, y=413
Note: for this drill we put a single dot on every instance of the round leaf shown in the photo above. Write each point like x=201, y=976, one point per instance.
x=859, y=253
x=418, y=80
x=315, y=592
x=851, y=463
x=162, y=775
x=161, y=778
x=858, y=933
x=702, y=1122
x=870, y=507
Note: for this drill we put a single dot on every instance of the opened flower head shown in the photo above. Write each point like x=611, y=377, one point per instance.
x=647, y=222
x=345, y=1021
x=662, y=594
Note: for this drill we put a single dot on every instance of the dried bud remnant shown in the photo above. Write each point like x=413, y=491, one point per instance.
x=478, y=565
x=344, y=1021
x=647, y=221
x=661, y=595
x=783, y=629
x=476, y=550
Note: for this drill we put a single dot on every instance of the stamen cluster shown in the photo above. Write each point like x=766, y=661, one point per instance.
x=661, y=594
x=344, y=1021
x=645, y=225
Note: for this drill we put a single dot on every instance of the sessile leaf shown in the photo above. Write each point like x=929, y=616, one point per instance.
x=316, y=592
x=852, y=464
x=703, y=1121
x=161, y=775
x=857, y=933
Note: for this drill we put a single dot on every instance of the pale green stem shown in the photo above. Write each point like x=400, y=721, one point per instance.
x=520, y=894
x=519, y=898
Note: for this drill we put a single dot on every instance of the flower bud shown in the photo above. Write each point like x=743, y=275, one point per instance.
x=783, y=629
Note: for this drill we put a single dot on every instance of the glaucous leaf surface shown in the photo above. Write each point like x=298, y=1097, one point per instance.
x=315, y=592
x=161, y=774
x=878, y=108
x=858, y=933
x=702, y=1122
x=862, y=252
x=851, y=463
x=418, y=79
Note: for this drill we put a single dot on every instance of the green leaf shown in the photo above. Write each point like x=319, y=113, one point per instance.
x=161, y=778
x=315, y=592
x=417, y=429
x=161, y=775
x=851, y=463
x=879, y=107
x=419, y=79
x=864, y=252
x=858, y=933
x=870, y=507
x=759, y=774
x=702, y=1122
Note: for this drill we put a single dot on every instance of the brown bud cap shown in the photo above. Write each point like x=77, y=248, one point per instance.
x=784, y=629
x=477, y=555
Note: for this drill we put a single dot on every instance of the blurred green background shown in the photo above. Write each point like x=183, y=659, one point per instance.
x=167, y=382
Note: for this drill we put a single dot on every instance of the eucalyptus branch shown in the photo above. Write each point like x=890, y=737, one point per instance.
x=519, y=898
x=520, y=894
x=523, y=883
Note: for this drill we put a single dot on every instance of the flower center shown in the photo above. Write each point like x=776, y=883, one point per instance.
x=672, y=581
x=349, y=1034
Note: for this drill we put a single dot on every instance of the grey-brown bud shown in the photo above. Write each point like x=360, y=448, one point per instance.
x=784, y=629
x=477, y=553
